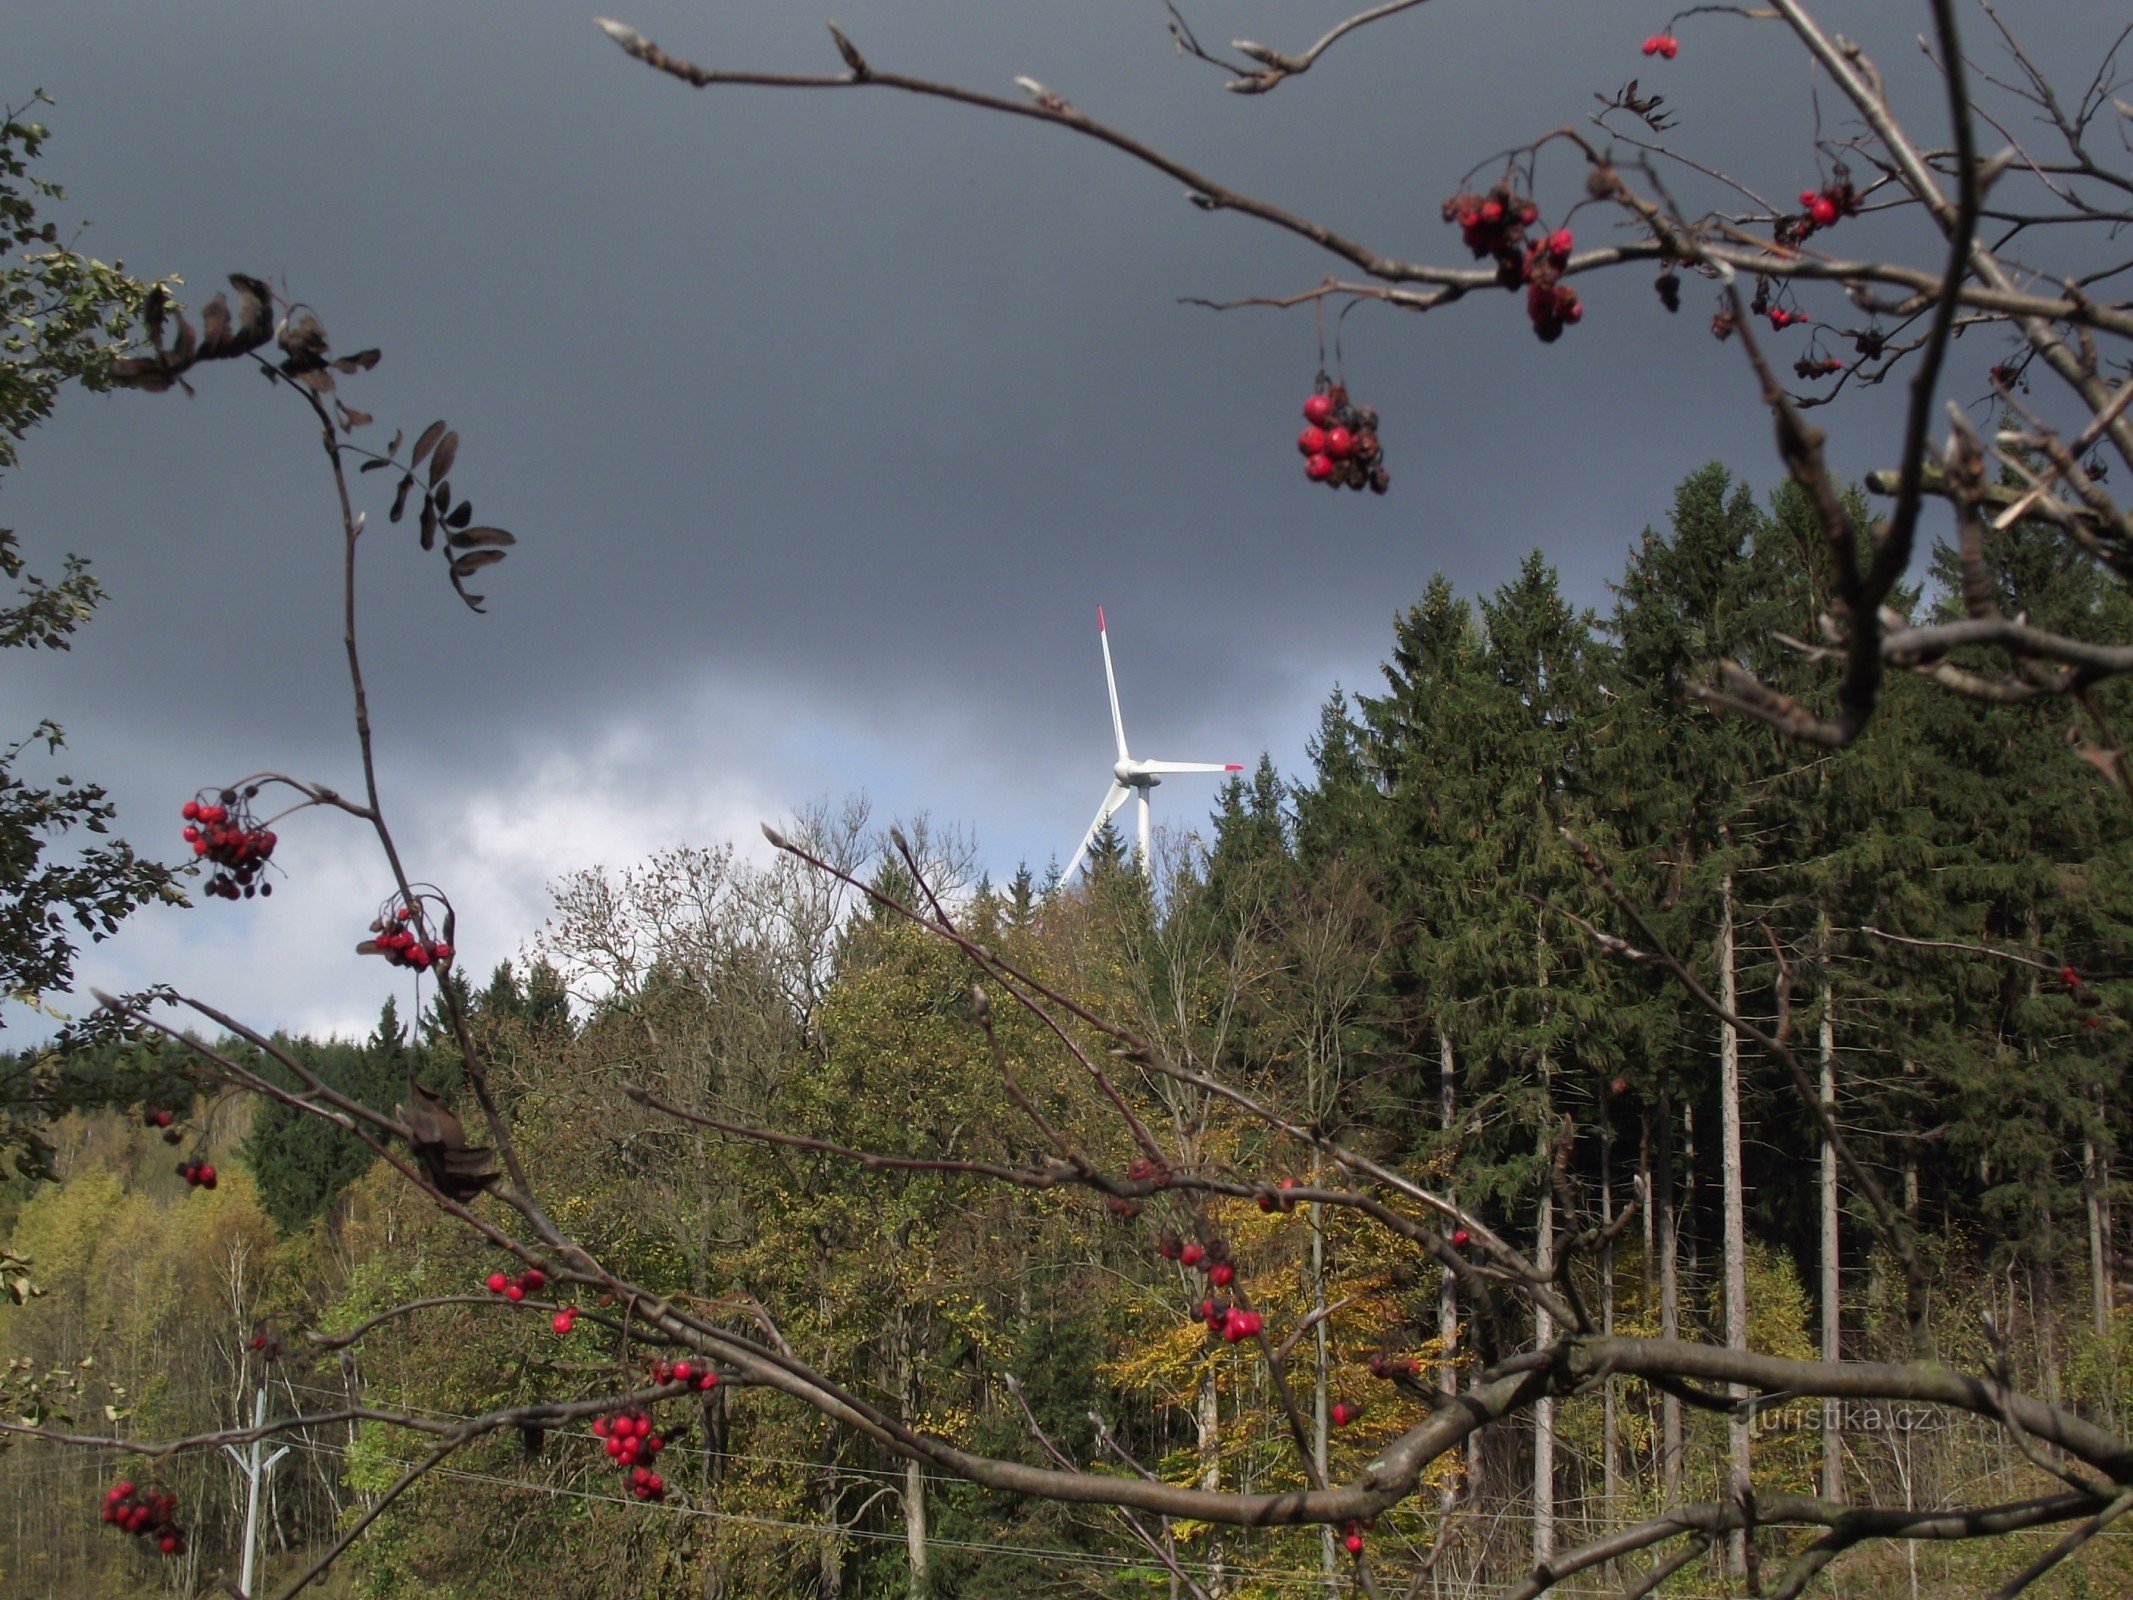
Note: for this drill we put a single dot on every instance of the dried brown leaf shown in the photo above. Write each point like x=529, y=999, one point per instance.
x=447, y=452
x=427, y=443
x=480, y=538
x=474, y=560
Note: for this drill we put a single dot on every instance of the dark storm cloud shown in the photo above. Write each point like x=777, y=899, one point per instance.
x=826, y=419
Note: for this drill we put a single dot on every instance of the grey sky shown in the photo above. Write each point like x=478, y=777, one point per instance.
x=825, y=420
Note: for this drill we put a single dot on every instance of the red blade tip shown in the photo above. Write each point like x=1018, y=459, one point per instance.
x=1234, y=767
x=1099, y=619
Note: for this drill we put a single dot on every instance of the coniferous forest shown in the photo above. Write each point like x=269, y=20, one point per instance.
x=1402, y=949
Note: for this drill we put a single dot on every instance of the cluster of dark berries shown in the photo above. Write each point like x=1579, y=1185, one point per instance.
x=687, y=1372
x=1278, y=1202
x=2082, y=993
x=631, y=1444
x=1493, y=226
x=1211, y=1258
x=1664, y=45
x=163, y=1118
x=148, y=1513
x=1339, y=442
x=197, y=1174
x=1820, y=208
x=1384, y=1365
x=221, y=831
x=516, y=1286
x=1810, y=367
x=403, y=946
x=1234, y=1323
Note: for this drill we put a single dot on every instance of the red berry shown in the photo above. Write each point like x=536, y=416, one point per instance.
x=164, y=1119
x=683, y=1372
x=1462, y=1238
x=534, y=1279
x=1651, y=44
x=614, y=1446
x=1353, y=1544
x=1191, y=1254
x=514, y=1292
x=1340, y=443
x=1559, y=243
x=1318, y=409
x=1312, y=441
x=1221, y=1274
x=207, y=1177
x=1319, y=468
x=497, y=1282
x=190, y=811
x=562, y=1322
x=1822, y=210
x=708, y=1381
x=441, y=954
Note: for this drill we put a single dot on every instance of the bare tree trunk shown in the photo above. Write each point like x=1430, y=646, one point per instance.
x=1207, y=1415
x=1735, y=1228
x=1447, y=1285
x=914, y=1477
x=1543, y=1324
x=1609, y=1422
x=1832, y=1282
x=1669, y=1228
x=1328, y=1562
x=2099, y=1266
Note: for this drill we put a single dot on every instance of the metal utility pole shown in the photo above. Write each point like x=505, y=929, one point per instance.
x=255, y=1471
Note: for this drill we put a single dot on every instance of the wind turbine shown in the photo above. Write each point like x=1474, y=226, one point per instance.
x=1131, y=777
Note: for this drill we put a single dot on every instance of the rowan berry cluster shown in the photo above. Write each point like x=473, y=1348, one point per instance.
x=1387, y=1366
x=688, y=1372
x=402, y=945
x=221, y=831
x=1664, y=45
x=1211, y=1258
x=1339, y=442
x=1820, y=208
x=1234, y=1323
x=1352, y=1537
x=516, y=1286
x=631, y=1445
x=1278, y=1202
x=265, y=1346
x=1493, y=226
x=150, y=1514
x=1809, y=367
x=198, y=1174
x=2082, y=994
x=163, y=1118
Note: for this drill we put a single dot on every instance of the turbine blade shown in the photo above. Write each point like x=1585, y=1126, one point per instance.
x=1118, y=724
x=1113, y=799
x=1190, y=766
x=1147, y=859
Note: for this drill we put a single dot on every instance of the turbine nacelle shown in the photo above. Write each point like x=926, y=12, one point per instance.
x=1134, y=774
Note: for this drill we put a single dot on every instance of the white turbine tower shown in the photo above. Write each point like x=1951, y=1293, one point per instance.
x=1131, y=777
